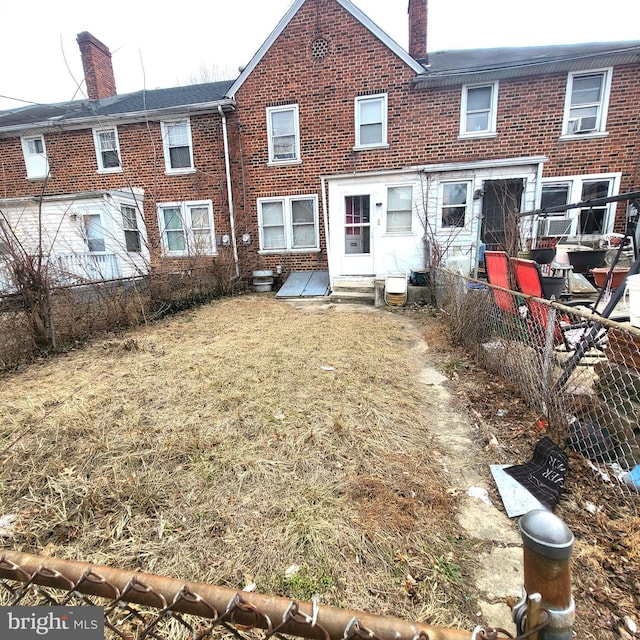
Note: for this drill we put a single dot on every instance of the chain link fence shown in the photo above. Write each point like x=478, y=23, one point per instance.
x=577, y=369
x=138, y=606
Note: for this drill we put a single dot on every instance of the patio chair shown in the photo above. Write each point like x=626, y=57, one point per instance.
x=497, y=267
x=532, y=283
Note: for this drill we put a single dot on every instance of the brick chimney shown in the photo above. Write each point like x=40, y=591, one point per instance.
x=418, y=29
x=98, y=70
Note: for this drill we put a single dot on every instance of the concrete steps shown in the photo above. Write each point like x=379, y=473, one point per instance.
x=360, y=290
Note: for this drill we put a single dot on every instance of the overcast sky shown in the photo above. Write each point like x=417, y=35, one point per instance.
x=166, y=44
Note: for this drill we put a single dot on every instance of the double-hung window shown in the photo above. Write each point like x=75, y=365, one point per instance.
x=371, y=121
x=594, y=220
x=583, y=221
x=288, y=223
x=107, y=149
x=284, y=134
x=94, y=232
x=478, y=110
x=35, y=157
x=586, y=103
x=130, y=227
x=555, y=194
x=399, y=209
x=187, y=228
x=177, y=146
x=455, y=199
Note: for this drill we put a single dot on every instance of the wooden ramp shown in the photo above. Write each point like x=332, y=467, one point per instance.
x=305, y=284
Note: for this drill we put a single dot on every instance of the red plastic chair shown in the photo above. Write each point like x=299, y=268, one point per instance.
x=529, y=280
x=497, y=266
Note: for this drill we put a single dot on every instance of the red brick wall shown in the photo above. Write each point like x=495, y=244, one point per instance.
x=423, y=126
x=97, y=67
x=73, y=168
x=418, y=29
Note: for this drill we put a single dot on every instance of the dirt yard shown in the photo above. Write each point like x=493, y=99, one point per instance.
x=250, y=442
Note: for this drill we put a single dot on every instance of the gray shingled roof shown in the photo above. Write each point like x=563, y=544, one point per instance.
x=477, y=65
x=187, y=99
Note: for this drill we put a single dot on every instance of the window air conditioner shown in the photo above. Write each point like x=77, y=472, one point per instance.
x=583, y=125
x=554, y=227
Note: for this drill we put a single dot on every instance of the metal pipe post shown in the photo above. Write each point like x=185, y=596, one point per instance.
x=548, y=543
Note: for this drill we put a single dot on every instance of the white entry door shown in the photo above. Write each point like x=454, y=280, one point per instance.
x=357, y=235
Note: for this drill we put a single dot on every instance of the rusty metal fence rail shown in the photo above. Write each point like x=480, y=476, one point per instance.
x=139, y=605
x=577, y=369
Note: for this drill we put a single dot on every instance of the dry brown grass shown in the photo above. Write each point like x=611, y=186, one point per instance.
x=230, y=442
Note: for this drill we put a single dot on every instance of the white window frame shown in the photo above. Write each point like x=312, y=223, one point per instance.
x=165, y=127
x=288, y=246
x=468, y=206
x=576, y=183
x=100, y=150
x=602, y=106
x=397, y=231
x=188, y=231
x=492, y=119
x=296, y=132
x=358, y=103
x=36, y=163
x=127, y=228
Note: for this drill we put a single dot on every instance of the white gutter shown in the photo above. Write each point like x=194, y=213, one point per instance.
x=232, y=221
x=441, y=167
x=537, y=195
x=130, y=117
x=326, y=222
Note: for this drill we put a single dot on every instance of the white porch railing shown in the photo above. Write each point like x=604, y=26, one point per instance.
x=90, y=267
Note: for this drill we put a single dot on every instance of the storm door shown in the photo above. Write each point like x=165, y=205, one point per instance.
x=358, y=256
x=501, y=203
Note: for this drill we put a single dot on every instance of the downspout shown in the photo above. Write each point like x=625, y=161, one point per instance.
x=326, y=223
x=535, y=221
x=232, y=220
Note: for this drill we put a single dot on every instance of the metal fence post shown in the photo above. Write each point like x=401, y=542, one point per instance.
x=547, y=544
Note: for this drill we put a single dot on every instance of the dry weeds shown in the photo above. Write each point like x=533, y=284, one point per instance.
x=604, y=519
x=227, y=444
